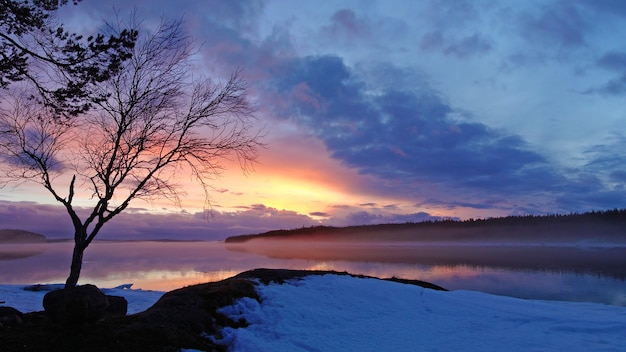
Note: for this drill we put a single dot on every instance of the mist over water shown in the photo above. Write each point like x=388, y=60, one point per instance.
x=575, y=273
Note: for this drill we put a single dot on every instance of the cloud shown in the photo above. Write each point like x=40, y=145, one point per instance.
x=472, y=45
x=607, y=160
x=371, y=218
x=136, y=224
x=469, y=46
x=557, y=24
x=618, y=176
x=614, y=87
x=404, y=134
x=417, y=127
x=368, y=204
x=53, y=222
x=612, y=61
x=346, y=24
x=599, y=183
x=606, y=7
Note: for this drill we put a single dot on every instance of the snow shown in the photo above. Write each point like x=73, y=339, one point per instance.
x=338, y=313
x=343, y=313
x=31, y=301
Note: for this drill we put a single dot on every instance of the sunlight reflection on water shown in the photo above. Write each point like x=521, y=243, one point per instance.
x=165, y=266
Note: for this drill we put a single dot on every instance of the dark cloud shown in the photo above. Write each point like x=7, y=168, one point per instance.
x=452, y=205
x=599, y=184
x=559, y=25
x=554, y=31
x=610, y=7
x=404, y=134
x=614, y=87
x=368, y=204
x=319, y=214
x=619, y=176
x=611, y=148
x=613, y=60
x=607, y=158
x=49, y=220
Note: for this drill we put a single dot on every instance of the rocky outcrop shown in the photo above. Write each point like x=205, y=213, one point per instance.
x=184, y=318
x=76, y=305
x=10, y=316
x=117, y=305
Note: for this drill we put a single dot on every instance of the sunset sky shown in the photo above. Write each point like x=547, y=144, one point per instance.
x=392, y=111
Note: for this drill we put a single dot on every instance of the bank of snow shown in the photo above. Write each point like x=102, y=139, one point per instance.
x=343, y=313
x=340, y=313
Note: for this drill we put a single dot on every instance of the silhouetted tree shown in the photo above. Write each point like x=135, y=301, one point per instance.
x=64, y=67
x=157, y=123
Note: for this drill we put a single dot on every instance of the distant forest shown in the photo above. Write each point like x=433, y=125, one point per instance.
x=595, y=226
x=20, y=236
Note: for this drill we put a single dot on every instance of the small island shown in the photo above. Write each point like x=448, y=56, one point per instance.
x=20, y=236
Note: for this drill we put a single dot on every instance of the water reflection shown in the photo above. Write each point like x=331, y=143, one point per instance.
x=577, y=274
x=602, y=261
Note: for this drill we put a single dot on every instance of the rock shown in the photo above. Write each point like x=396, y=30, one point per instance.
x=44, y=287
x=117, y=305
x=76, y=305
x=10, y=316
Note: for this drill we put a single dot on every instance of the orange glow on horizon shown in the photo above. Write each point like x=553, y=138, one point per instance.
x=295, y=173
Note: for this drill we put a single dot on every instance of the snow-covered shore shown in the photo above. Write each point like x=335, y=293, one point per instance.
x=337, y=313
x=31, y=301
x=344, y=313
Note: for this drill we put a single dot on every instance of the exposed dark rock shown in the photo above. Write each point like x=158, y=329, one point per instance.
x=281, y=275
x=417, y=283
x=117, y=305
x=190, y=313
x=10, y=316
x=76, y=305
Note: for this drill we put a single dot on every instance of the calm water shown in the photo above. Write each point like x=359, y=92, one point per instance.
x=539, y=272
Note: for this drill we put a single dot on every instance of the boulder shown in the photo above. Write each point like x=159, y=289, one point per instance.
x=10, y=316
x=76, y=305
x=118, y=305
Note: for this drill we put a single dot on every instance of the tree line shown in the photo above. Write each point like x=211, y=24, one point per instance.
x=605, y=224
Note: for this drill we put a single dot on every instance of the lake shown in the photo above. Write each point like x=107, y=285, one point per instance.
x=571, y=273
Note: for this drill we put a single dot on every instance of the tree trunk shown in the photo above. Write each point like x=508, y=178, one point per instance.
x=77, y=261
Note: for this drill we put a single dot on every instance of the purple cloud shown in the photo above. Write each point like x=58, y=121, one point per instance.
x=53, y=222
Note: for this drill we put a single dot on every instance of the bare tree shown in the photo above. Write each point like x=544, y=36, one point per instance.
x=157, y=124
x=64, y=67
